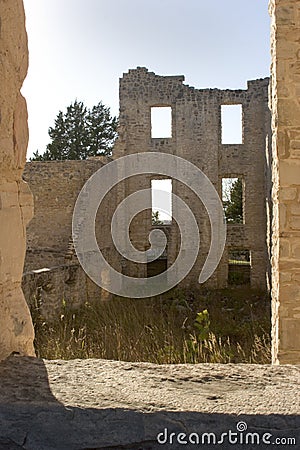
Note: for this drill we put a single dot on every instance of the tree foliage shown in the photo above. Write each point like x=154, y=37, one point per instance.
x=79, y=133
x=155, y=218
x=234, y=206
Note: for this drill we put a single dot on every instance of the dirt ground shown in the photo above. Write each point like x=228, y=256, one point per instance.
x=100, y=404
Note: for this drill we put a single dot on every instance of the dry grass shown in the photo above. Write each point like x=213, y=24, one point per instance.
x=162, y=330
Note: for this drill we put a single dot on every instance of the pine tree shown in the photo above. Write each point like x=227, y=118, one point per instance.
x=101, y=129
x=75, y=133
x=79, y=133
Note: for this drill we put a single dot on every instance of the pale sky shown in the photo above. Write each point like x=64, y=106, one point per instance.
x=80, y=49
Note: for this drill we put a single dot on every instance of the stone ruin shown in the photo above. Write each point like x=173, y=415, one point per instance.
x=16, y=203
x=285, y=108
x=51, y=267
x=195, y=135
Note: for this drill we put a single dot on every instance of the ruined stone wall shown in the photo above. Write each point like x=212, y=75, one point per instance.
x=137, y=96
x=196, y=136
x=55, y=186
x=16, y=330
x=51, y=291
x=285, y=93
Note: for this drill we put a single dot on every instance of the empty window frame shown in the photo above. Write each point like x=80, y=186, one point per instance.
x=156, y=267
x=232, y=124
x=161, y=200
x=161, y=122
x=233, y=200
x=239, y=267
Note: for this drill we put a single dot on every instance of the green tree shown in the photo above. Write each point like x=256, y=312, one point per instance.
x=79, y=133
x=155, y=218
x=101, y=130
x=234, y=206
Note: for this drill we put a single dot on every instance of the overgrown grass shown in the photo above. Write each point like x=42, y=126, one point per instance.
x=162, y=330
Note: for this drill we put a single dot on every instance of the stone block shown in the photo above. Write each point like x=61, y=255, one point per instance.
x=296, y=250
x=287, y=193
x=289, y=173
x=296, y=276
x=295, y=222
x=285, y=15
x=289, y=334
x=16, y=327
x=282, y=216
x=290, y=293
x=288, y=109
x=295, y=209
x=285, y=277
x=287, y=50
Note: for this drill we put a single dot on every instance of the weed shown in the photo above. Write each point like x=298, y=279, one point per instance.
x=234, y=326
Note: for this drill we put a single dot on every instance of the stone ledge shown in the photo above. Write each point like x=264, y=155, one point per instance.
x=100, y=404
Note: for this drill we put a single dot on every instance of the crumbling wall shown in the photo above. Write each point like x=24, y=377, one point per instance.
x=52, y=274
x=196, y=136
x=55, y=186
x=49, y=292
x=285, y=92
x=16, y=207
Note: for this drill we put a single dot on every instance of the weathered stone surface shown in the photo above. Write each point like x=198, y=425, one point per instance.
x=16, y=205
x=53, y=288
x=99, y=404
x=197, y=138
x=55, y=186
x=285, y=89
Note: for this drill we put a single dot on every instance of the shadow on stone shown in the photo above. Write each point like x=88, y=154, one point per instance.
x=32, y=418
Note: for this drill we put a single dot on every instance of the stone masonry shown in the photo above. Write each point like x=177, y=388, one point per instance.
x=16, y=206
x=52, y=274
x=196, y=136
x=55, y=186
x=285, y=94
x=201, y=108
